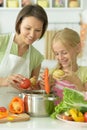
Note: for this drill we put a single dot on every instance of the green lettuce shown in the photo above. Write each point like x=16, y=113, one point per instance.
x=71, y=99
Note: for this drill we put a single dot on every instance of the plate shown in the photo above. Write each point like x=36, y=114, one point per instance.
x=72, y=122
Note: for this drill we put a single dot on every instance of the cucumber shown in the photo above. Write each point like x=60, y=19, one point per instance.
x=83, y=109
x=49, y=107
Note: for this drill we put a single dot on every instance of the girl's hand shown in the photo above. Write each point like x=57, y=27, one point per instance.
x=42, y=79
x=74, y=79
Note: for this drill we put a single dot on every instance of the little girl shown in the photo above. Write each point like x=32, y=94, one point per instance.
x=66, y=47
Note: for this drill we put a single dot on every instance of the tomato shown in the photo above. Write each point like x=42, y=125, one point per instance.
x=26, y=83
x=3, y=112
x=85, y=116
x=3, y=109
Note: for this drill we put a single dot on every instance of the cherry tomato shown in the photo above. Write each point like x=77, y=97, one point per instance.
x=85, y=116
x=3, y=109
x=26, y=83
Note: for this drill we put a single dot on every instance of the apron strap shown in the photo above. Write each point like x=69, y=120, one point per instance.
x=7, y=52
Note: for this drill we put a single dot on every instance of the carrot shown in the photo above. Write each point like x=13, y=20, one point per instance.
x=46, y=80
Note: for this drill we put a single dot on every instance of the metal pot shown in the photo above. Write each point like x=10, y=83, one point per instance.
x=38, y=103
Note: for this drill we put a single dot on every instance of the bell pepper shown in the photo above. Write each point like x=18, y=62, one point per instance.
x=16, y=105
x=76, y=115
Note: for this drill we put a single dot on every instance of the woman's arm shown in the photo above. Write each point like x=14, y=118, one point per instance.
x=36, y=72
x=4, y=82
x=13, y=80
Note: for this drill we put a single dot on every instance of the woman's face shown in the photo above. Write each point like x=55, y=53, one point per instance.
x=65, y=57
x=30, y=29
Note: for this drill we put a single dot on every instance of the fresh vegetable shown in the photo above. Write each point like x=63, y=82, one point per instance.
x=68, y=118
x=58, y=73
x=46, y=80
x=76, y=115
x=71, y=99
x=3, y=112
x=33, y=81
x=50, y=105
x=16, y=105
x=3, y=109
x=85, y=116
x=26, y=83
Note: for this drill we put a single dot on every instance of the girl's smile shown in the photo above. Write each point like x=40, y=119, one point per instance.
x=64, y=56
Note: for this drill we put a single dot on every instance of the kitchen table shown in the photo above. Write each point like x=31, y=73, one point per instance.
x=41, y=123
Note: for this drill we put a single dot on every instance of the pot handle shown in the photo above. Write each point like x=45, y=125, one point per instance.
x=52, y=98
x=21, y=95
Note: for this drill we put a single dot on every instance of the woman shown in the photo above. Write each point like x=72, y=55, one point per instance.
x=1, y=3
x=18, y=58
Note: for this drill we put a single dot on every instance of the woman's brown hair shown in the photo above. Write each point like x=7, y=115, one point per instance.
x=35, y=11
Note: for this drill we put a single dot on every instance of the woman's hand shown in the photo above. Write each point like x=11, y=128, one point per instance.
x=14, y=81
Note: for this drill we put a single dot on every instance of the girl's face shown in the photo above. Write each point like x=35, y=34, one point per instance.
x=30, y=29
x=65, y=57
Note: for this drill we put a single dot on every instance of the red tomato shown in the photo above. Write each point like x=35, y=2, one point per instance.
x=3, y=109
x=26, y=83
x=85, y=116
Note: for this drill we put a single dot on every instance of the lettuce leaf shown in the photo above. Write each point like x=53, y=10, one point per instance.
x=71, y=99
x=74, y=98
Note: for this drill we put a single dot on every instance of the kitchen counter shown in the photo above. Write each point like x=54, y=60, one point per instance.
x=45, y=123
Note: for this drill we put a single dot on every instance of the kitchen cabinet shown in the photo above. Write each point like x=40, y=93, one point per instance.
x=47, y=4
x=60, y=4
x=56, y=15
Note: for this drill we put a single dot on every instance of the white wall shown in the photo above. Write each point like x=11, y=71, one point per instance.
x=7, y=20
x=8, y=17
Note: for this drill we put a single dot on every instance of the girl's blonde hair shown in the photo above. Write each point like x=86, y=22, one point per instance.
x=68, y=37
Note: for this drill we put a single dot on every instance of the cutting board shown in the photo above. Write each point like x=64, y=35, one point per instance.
x=15, y=118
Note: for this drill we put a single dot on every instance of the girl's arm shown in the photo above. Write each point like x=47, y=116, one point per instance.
x=74, y=79
x=85, y=86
